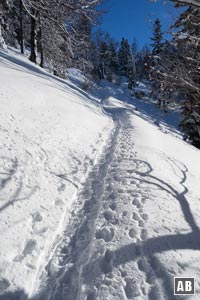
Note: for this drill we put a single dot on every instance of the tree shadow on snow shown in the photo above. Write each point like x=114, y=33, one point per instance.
x=149, y=248
x=16, y=295
x=7, y=177
x=65, y=284
x=146, y=177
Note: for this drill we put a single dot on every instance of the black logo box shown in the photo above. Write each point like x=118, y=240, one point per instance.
x=184, y=281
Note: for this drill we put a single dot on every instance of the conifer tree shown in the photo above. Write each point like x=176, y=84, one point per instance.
x=112, y=57
x=127, y=63
x=124, y=56
x=143, y=63
x=180, y=71
x=3, y=9
x=132, y=66
x=157, y=37
x=157, y=48
x=103, y=54
x=134, y=48
x=131, y=72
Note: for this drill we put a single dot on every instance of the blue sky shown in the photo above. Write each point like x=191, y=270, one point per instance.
x=131, y=18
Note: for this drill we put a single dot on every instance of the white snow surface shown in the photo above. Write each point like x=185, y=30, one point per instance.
x=50, y=136
x=94, y=205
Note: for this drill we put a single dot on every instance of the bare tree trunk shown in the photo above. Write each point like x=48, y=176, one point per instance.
x=2, y=7
x=1, y=38
x=41, y=50
x=33, y=36
x=21, y=27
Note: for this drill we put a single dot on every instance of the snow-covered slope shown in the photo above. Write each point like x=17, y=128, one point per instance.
x=169, y=177
x=147, y=230
x=92, y=209
x=51, y=134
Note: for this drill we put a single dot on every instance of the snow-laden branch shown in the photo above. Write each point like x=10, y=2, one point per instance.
x=190, y=2
x=27, y=9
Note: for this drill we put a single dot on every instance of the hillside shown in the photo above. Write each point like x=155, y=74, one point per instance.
x=99, y=193
x=51, y=136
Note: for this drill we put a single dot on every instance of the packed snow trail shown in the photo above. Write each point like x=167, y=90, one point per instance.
x=73, y=254
x=120, y=243
x=96, y=223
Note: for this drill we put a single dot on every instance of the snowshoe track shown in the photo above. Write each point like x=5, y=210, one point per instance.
x=86, y=264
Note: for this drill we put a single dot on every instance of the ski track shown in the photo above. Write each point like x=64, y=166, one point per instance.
x=85, y=263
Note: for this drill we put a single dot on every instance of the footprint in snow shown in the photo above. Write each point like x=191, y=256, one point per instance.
x=113, y=206
x=123, y=272
x=113, y=195
x=121, y=191
x=136, y=203
x=134, y=182
x=59, y=202
x=61, y=188
x=106, y=234
x=94, y=150
x=28, y=249
x=37, y=217
x=144, y=200
x=132, y=233
x=107, y=262
x=131, y=289
x=110, y=217
x=110, y=187
x=137, y=195
x=143, y=265
x=125, y=213
x=141, y=223
x=144, y=217
x=130, y=171
x=135, y=217
x=4, y=284
x=91, y=296
x=116, y=178
x=144, y=234
x=119, y=160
